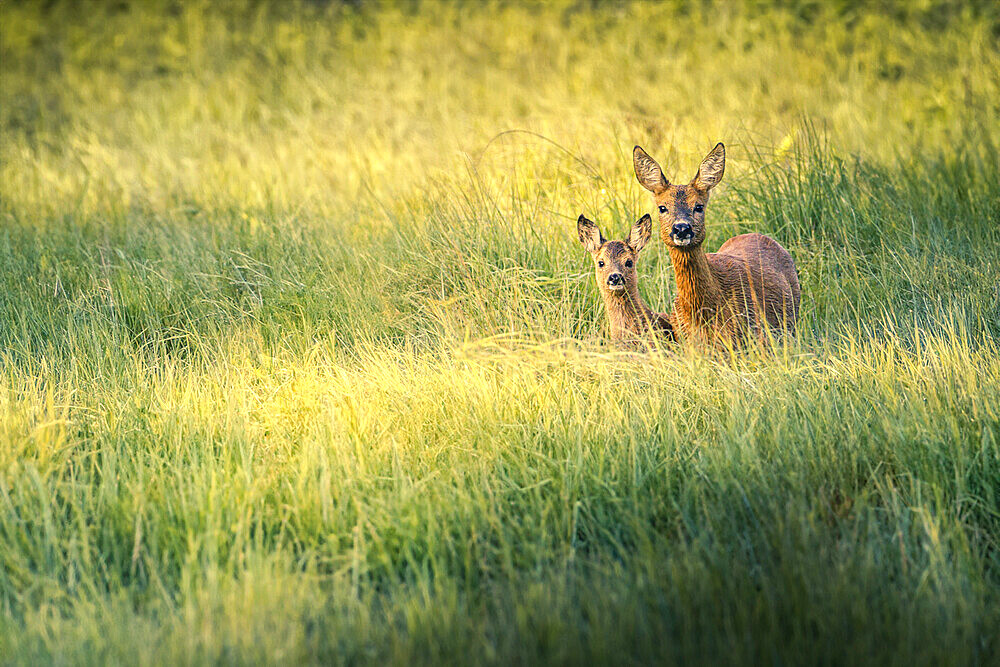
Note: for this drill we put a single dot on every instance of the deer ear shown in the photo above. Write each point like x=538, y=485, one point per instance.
x=647, y=172
x=590, y=235
x=712, y=168
x=641, y=232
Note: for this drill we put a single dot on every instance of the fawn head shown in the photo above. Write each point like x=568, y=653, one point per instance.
x=681, y=207
x=615, y=260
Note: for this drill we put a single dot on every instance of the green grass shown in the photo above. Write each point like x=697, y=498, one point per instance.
x=301, y=361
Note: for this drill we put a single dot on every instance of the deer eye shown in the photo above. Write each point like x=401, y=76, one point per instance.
x=698, y=208
x=663, y=210
x=628, y=263
x=600, y=263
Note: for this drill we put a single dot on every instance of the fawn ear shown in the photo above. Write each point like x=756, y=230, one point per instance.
x=712, y=168
x=647, y=172
x=641, y=232
x=590, y=235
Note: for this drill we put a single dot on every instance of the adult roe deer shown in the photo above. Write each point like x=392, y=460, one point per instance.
x=629, y=318
x=721, y=296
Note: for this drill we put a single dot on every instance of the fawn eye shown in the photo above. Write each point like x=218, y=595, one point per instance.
x=628, y=263
x=600, y=263
x=698, y=208
x=663, y=210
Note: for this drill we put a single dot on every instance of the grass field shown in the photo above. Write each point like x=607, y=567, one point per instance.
x=301, y=360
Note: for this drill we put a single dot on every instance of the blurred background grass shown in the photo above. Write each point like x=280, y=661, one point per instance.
x=302, y=361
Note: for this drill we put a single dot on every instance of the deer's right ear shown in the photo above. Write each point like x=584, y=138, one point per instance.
x=590, y=235
x=647, y=172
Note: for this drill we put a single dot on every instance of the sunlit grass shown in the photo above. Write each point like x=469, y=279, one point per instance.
x=300, y=358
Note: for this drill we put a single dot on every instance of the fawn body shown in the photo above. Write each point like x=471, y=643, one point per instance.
x=730, y=295
x=630, y=320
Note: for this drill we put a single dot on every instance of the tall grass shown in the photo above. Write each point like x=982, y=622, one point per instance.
x=300, y=359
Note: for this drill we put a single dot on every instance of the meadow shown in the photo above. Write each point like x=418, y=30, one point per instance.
x=301, y=360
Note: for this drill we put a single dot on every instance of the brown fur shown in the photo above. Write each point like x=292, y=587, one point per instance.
x=726, y=296
x=630, y=320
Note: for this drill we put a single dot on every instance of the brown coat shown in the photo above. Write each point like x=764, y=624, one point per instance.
x=630, y=320
x=724, y=297
x=729, y=294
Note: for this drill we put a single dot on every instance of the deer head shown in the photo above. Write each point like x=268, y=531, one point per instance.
x=681, y=207
x=614, y=261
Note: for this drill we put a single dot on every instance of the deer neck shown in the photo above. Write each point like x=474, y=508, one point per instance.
x=628, y=314
x=698, y=293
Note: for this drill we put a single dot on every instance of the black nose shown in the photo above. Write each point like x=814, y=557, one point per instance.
x=682, y=230
x=615, y=279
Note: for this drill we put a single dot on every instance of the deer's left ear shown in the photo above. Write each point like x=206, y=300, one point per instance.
x=712, y=168
x=641, y=232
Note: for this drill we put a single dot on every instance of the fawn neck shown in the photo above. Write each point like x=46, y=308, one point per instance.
x=698, y=293
x=628, y=314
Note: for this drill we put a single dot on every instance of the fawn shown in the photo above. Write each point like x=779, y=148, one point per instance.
x=629, y=318
x=722, y=297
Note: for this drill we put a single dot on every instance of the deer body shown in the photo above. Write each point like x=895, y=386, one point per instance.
x=724, y=294
x=630, y=320
x=746, y=289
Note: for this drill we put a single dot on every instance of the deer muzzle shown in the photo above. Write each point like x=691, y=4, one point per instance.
x=682, y=233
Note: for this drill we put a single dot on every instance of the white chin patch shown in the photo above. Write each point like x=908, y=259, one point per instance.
x=682, y=242
x=617, y=288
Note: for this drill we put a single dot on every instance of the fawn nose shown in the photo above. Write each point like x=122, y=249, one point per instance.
x=682, y=231
x=616, y=279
